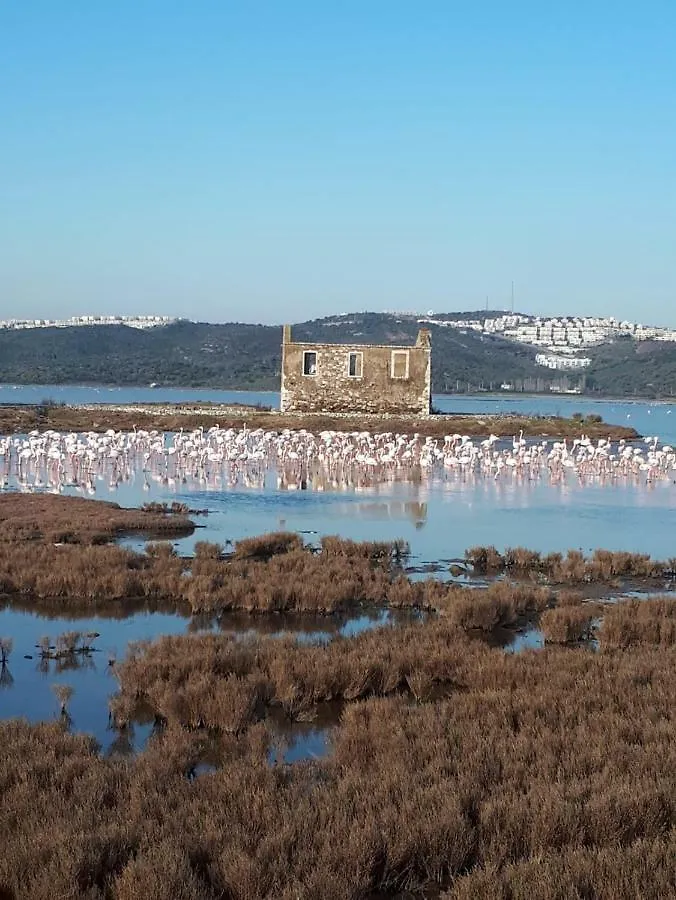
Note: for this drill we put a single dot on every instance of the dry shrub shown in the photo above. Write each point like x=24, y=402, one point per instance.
x=49, y=517
x=183, y=679
x=544, y=774
x=645, y=869
x=174, y=508
x=485, y=559
x=343, y=576
x=268, y=545
x=566, y=624
x=6, y=645
x=377, y=551
x=567, y=597
x=207, y=550
x=634, y=623
x=501, y=604
x=521, y=560
x=603, y=565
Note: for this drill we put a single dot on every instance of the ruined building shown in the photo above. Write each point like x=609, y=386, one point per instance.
x=356, y=378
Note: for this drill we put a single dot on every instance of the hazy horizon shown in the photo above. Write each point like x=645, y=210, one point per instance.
x=291, y=161
x=278, y=323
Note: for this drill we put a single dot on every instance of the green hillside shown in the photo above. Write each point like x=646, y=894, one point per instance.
x=238, y=356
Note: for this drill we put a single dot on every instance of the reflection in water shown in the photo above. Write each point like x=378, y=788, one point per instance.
x=440, y=509
x=295, y=741
x=441, y=496
x=30, y=687
x=219, y=459
x=6, y=679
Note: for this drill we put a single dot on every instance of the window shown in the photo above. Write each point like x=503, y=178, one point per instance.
x=355, y=362
x=399, y=366
x=309, y=362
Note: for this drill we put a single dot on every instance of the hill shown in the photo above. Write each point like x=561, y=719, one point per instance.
x=240, y=356
x=634, y=368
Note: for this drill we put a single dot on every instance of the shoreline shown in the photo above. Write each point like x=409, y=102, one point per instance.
x=482, y=395
x=173, y=417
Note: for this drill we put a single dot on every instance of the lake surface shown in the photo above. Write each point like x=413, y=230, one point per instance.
x=26, y=685
x=647, y=417
x=440, y=513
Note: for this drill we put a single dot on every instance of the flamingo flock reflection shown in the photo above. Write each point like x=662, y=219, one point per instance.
x=331, y=460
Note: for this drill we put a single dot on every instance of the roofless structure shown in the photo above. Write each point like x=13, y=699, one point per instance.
x=356, y=378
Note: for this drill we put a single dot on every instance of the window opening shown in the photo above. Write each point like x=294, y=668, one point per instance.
x=309, y=362
x=355, y=365
x=399, y=366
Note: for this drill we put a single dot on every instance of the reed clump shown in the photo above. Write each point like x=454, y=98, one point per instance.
x=268, y=545
x=376, y=551
x=191, y=682
x=56, y=519
x=643, y=869
x=635, y=623
x=6, y=645
x=499, y=605
x=270, y=574
x=574, y=567
x=175, y=508
x=567, y=624
x=545, y=774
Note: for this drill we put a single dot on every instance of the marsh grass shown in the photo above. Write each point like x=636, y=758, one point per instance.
x=567, y=624
x=56, y=519
x=544, y=774
x=635, y=623
x=574, y=567
x=453, y=768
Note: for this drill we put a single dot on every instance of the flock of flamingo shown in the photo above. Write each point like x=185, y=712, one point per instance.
x=331, y=460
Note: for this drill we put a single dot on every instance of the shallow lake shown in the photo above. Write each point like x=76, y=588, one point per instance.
x=647, y=417
x=26, y=685
x=439, y=513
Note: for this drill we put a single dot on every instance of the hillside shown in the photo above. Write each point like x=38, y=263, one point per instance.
x=635, y=368
x=238, y=356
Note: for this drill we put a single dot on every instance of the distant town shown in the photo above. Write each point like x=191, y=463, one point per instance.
x=562, y=340
x=76, y=321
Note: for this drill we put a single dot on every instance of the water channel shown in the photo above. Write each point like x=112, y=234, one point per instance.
x=439, y=513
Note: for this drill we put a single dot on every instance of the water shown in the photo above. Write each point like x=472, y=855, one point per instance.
x=26, y=685
x=647, y=417
x=439, y=513
x=440, y=517
x=297, y=741
x=76, y=395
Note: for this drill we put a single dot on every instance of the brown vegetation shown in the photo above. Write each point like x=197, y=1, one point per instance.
x=6, y=645
x=57, y=519
x=574, y=567
x=165, y=417
x=634, y=623
x=271, y=573
x=63, y=693
x=215, y=681
x=267, y=545
x=567, y=624
x=547, y=775
x=454, y=767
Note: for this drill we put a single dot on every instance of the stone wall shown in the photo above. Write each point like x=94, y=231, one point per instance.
x=331, y=389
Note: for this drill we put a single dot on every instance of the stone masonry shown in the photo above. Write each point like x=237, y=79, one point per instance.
x=356, y=378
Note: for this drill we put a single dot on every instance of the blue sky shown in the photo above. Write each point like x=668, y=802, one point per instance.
x=270, y=161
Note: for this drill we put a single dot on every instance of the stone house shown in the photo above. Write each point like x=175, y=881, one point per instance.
x=356, y=378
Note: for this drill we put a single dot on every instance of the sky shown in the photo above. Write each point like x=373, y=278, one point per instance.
x=277, y=161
